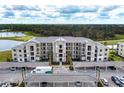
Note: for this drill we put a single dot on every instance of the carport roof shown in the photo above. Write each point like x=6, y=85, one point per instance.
x=60, y=78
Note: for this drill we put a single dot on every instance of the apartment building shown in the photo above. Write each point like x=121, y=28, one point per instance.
x=120, y=49
x=79, y=48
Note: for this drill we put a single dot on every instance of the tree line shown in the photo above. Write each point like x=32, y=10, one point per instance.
x=96, y=32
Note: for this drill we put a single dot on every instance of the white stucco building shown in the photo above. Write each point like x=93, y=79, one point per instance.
x=80, y=49
x=120, y=49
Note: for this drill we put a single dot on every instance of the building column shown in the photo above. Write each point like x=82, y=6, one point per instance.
x=106, y=68
x=53, y=84
x=67, y=84
x=38, y=84
x=85, y=69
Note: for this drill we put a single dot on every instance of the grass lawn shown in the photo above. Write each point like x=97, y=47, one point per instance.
x=111, y=42
x=29, y=33
x=23, y=38
x=115, y=40
x=5, y=56
x=114, y=57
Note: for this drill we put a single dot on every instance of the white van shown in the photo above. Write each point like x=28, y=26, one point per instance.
x=43, y=70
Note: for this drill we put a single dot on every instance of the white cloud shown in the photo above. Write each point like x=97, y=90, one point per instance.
x=61, y=2
x=115, y=12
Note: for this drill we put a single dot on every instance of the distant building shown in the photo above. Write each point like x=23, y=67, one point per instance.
x=120, y=49
x=80, y=49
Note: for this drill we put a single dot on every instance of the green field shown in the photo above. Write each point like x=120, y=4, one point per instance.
x=114, y=57
x=23, y=38
x=5, y=56
x=115, y=40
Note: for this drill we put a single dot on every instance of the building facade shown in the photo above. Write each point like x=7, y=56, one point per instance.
x=79, y=48
x=120, y=49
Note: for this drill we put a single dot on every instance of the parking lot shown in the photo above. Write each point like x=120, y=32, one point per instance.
x=6, y=75
x=104, y=74
x=16, y=76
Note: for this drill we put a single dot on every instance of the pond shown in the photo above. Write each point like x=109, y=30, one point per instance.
x=8, y=44
x=11, y=34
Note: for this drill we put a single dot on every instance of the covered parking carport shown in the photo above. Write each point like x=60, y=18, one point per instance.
x=95, y=65
x=60, y=80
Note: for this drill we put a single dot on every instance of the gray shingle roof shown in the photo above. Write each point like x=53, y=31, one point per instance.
x=68, y=39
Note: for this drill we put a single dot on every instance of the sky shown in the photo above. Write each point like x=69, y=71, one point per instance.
x=61, y=12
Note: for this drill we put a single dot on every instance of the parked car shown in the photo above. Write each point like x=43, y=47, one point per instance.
x=112, y=67
x=116, y=81
x=121, y=79
x=13, y=84
x=13, y=68
x=44, y=84
x=105, y=82
x=78, y=84
x=4, y=84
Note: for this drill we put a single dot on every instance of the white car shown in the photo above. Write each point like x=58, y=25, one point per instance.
x=105, y=82
x=4, y=84
x=121, y=80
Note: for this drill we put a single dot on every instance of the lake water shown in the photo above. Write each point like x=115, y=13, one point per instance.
x=8, y=44
x=11, y=34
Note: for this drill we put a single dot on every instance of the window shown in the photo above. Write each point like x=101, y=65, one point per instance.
x=14, y=50
x=100, y=54
x=60, y=55
x=44, y=44
x=105, y=58
x=25, y=55
x=76, y=48
x=60, y=59
x=77, y=44
x=37, y=45
x=88, y=58
x=89, y=53
x=37, y=49
x=15, y=59
x=20, y=55
x=44, y=48
x=100, y=50
x=24, y=51
x=32, y=53
x=14, y=54
x=95, y=55
x=25, y=59
x=32, y=58
x=60, y=46
x=20, y=59
x=89, y=48
x=83, y=45
x=44, y=52
x=60, y=51
x=31, y=48
x=19, y=50
x=99, y=59
x=106, y=49
x=105, y=53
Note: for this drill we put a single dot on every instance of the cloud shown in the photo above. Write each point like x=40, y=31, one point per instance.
x=8, y=14
x=61, y=14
